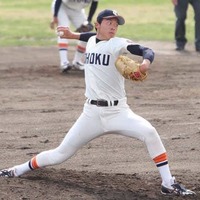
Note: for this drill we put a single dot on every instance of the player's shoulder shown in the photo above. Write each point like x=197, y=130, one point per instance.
x=92, y=37
x=91, y=40
x=118, y=41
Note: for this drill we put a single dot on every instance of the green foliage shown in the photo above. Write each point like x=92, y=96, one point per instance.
x=26, y=22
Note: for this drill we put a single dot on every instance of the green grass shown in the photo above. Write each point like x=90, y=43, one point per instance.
x=26, y=22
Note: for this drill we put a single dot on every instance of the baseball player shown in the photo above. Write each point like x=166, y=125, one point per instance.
x=66, y=12
x=106, y=110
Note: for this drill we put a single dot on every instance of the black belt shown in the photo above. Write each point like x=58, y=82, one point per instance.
x=104, y=103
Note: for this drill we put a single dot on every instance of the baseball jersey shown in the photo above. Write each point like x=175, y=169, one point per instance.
x=77, y=4
x=102, y=79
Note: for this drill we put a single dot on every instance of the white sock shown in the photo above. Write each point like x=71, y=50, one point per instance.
x=63, y=57
x=78, y=57
x=21, y=169
x=167, y=179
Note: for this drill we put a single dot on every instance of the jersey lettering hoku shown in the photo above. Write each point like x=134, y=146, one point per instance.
x=77, y=4
x=100, y=60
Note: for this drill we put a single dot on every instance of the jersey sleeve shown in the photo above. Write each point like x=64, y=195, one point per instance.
x=57, y=7
x=118, y=46
x=86, y=36
x=139, y=50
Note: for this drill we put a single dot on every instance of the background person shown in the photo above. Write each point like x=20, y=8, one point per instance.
x=180, y=9
x=65, y=13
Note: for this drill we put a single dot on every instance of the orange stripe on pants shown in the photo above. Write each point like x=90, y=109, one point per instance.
x=34, y=163
x=62, y=45
x=80, y=49
x=160, y=158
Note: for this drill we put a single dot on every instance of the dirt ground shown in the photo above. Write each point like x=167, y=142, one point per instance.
x=38, y=105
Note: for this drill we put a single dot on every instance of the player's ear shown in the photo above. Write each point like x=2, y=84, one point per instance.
x=96, y=25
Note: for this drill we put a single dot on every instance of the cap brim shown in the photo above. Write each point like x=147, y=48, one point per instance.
x=120, y=19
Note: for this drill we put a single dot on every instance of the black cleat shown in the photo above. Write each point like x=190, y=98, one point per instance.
x=177, y=190
x=65, y=68
x=78, y=65
x=8, y=173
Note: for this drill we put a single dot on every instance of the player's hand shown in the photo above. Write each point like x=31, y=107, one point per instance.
x=54, y=23
x=65, y=32
x=144, y=66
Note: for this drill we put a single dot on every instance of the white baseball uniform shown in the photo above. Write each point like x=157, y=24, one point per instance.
x=106, y=110
x=103, y=81
x=77, y=4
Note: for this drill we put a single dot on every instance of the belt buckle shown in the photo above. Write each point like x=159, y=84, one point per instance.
x=101, y=102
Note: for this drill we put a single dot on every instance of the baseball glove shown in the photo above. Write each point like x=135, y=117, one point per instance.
x=129, y=68
x=85, y=28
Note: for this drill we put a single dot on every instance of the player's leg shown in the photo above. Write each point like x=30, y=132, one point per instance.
x=63, y=44
x=196, y=7
x=86, y=128
x=77, y=20
x=129, y=124
x=180, y=30
x=79, y=56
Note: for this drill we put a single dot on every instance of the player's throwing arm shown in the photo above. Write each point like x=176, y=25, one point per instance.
x=65, y=32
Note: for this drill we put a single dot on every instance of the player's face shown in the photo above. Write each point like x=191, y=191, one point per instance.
x=107, y=29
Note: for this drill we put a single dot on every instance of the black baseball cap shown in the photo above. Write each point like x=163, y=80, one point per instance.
x=109, y=14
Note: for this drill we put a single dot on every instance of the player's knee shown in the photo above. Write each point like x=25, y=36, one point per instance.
x=57, y=157
x=152, y=135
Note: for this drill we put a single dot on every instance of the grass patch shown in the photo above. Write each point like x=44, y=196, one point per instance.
x=26, y=22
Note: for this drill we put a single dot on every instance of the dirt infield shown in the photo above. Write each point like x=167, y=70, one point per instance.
x=39, y=105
